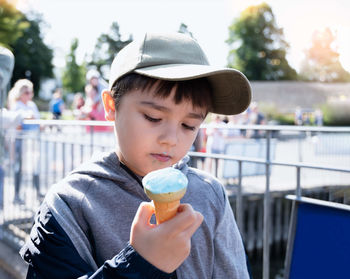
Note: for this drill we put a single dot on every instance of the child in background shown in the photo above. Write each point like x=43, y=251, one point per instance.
x=57, y=104
x=78, y=104
x=160, y=90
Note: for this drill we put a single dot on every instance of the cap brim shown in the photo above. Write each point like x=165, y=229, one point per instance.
x=231, y=89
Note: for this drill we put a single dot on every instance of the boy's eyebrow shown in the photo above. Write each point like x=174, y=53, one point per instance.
x=165, y=109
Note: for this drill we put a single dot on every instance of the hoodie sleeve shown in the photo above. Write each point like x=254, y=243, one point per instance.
x=51, y=254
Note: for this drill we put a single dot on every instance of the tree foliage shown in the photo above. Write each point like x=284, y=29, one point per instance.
x=33, y=58
x=11, y=23
x=321, y=61
x=258, y=47
x=21, y=34
x=73, y=79
x=107, y=47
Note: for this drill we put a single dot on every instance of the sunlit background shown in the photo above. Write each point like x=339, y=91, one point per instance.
x=208, y=21
x=295, y=53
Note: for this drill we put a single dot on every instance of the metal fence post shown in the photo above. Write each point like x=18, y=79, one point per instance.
x=300, y=156
x=55, y=160
x=37, y=167
x=298, y=190
x=47, y=165
x=72, y=157
x=91, y=139
x=81, y=153
x=63, y=159
x=239, y=204
x=266, y=238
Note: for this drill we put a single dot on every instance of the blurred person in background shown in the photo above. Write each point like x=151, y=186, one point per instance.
x=306, y=119
x=215, y=139
x=231, y=132
x=7, y=119
x=318, y=117
x=94, y=78
x=91, y=98
x=6, y=68
x=256, y=118
x=93, y=109
x=57, y=104
x=198, y=146
x=94, y=104
x=78, y=104
x=243, y=119
x=298, y=116
x=20, y=100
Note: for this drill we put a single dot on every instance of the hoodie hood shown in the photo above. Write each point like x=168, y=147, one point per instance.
x=102, y=165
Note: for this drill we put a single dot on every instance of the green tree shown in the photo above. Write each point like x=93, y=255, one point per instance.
x=73, y=78
x=11, y=23
x=258, y=47
x=321, y=61
x=33, y=58
x=106, y=48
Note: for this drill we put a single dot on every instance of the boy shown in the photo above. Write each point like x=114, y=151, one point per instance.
x=160, y=91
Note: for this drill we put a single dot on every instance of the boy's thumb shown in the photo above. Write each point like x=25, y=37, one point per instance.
x=144, y=213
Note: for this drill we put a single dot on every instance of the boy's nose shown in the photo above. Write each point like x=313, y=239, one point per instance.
x=169, y=136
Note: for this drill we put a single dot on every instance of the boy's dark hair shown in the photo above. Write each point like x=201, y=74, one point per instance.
x=198, y=91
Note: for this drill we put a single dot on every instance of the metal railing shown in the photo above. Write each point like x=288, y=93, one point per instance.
x=56, y=145
x=267, y=204
x=268, y=163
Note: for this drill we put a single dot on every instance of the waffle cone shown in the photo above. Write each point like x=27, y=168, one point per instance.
x=165, y=210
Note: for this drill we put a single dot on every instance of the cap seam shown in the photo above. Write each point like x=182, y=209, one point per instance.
x=141, y=52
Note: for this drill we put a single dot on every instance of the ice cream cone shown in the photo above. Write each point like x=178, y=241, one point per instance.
x=166, y=204
x=165, y=210
x=165, y=187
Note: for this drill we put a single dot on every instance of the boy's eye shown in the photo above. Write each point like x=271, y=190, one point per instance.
x=151, y=118
x=191, y=128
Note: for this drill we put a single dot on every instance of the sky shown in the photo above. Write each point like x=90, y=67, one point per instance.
x=208, y=20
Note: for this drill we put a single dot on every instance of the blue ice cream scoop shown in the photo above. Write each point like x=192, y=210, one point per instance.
x=165, y=185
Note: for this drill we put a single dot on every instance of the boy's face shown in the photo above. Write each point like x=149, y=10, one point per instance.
x=152, y=132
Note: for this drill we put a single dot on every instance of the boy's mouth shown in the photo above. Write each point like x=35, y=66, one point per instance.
x=161, y=157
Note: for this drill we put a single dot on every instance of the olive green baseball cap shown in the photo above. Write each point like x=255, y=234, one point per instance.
x=178, y=57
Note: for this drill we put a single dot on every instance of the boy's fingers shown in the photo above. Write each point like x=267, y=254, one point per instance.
x=198, y=221
x=183, y=207
x=183, y=220
x=144, y=213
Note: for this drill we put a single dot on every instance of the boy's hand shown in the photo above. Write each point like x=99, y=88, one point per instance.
x=166, y=245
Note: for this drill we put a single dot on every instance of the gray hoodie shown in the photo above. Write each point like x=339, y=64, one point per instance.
x=96, y=204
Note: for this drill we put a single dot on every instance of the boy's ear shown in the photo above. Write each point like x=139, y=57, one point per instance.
x=108, y=104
